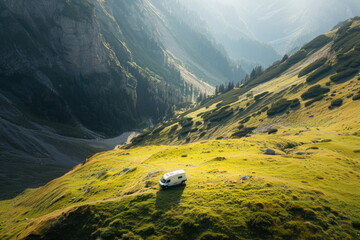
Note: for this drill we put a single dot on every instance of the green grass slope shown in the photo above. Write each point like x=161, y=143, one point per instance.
x=296, y=92
x=115, y=195
x=308, y=190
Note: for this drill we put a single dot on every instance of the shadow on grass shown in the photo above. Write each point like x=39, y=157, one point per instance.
x=168, y=198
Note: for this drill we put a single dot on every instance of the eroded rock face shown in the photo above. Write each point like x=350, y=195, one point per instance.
x=56, y=60
x=107, y=65
x=76, y=42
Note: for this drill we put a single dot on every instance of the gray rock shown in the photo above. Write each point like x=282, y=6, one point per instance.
x=246, y=177
x=301, y=153
x=269, y=151
x=152, y=173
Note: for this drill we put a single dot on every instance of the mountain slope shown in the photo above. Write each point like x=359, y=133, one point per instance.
x=115, y=193
x=75, y=52
x=303, y=186
x=93, y=69
x=330, y=61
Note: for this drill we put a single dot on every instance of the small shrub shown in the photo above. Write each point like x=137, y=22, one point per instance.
x=356, y=224
x=245, y=120
x=158, y=130
x=318, y=73
x=219, y=159
x=217, y=115
x=174, y=128
x=313, y=148
x=187, y=122
x=278, y=107
x=294, y=103
x=272, y=131
x=316, y=99
x=265, y=109
x=356, y=97
x=194, y=130
x=314, y=91
x=185, y=131
x=198, y=123
x=337, y=102
x=260, y=96
x=344, y=75
x=311, y=67
x=243, y=132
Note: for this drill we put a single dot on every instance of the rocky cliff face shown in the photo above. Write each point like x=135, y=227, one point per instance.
x=94, y=62
x=90, y=68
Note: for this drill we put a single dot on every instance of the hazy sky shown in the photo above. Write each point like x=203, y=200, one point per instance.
x=281, y=23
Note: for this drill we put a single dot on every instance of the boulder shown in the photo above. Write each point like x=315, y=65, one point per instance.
x=269, y=151
x=152, y=173
x=246, y=177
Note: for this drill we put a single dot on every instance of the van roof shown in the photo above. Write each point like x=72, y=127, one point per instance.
x=177, y=172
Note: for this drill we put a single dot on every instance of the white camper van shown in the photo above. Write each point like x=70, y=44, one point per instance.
x=173, y=178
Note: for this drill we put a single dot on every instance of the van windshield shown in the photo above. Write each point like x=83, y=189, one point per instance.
x=163, y=180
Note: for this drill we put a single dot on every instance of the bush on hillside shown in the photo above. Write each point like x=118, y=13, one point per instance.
x=173, y=128
x=272, y=131
x=348, y=60
x=260, y=96
x=337, y=103
x=311, y=67
x=186, y=122
x=314, y=91
x=245, y=120
x=316, y=99
x=243, y=132
x=295, y=103
x=344, y=75
x=356, y=97
x=217, y=115
x=279, y=107
x=321, y=71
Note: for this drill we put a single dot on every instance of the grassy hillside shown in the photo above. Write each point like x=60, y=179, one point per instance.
x=295, y=92
x=306, y=187
x=306, y=191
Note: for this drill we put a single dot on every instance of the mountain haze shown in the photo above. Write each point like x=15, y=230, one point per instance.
x=260, y=31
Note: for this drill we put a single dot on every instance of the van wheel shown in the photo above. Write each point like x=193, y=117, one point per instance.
x=183, y=182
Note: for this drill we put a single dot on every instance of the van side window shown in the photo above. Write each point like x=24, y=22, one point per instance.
x=168, y=181
x=180, y=177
